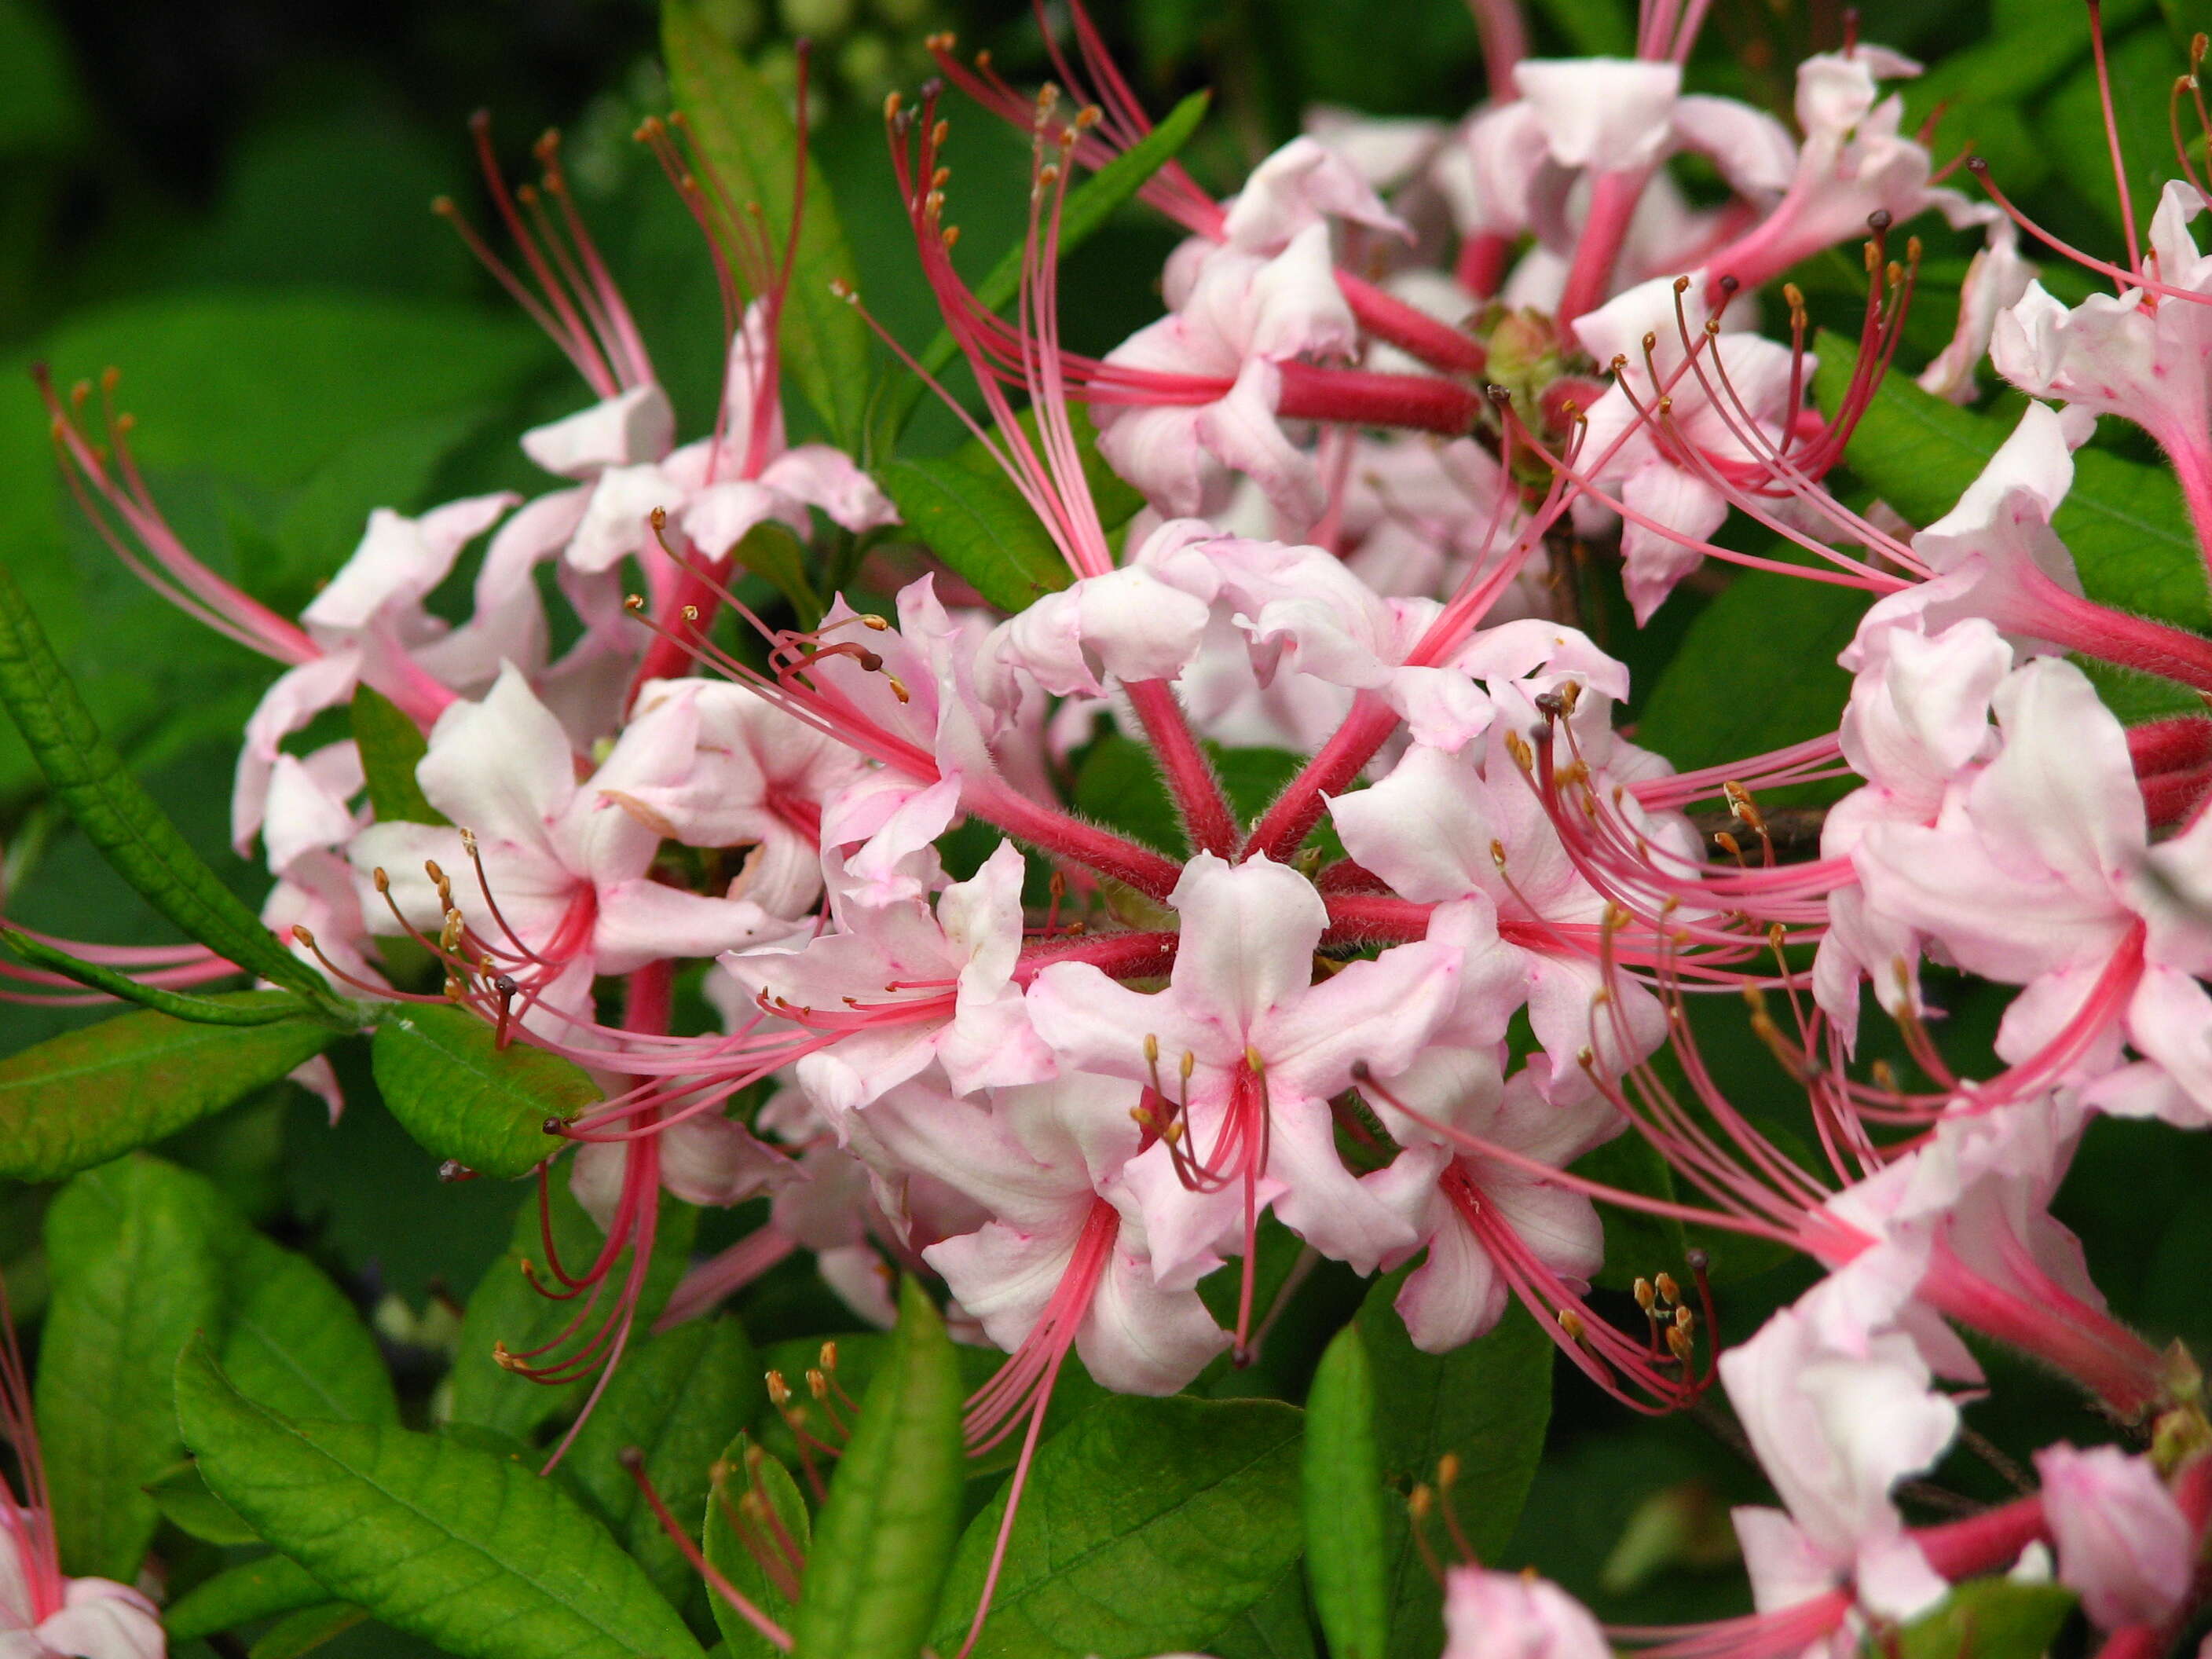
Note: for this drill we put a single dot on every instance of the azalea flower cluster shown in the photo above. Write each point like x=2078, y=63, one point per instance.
x=1402, y=374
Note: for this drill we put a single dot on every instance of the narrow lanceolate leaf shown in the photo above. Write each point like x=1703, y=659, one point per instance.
x=390, y=748
x=186, y=1504
x=458, y=1547
x=742, y=1542
x=2125, y=523
x=745, y=137
x=971, y=515
x=464, y=1097
x=505, y=1308
x=771, y=552
x=1487, y=1404
x=678, y=1398
x=89, y=1095
x=1345, y=1559
x=1090, y=205
x=293, y=1341
x=885, y=1536
x=1988, y=1619
x=1148, y=1525
x=136, y=1248
x=120, y=819
x=307, y=1630
x=260, y=1010
x=242, y=1595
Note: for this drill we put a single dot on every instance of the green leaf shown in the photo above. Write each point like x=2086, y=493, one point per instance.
x=678, y=1398
x=458, y=1547
x=1487, y=1403
x=90, y=1095
x=739, y=126
x=1988, y=1619
x=243, y=1595
x=1148, y=1525
x=973, y=518
x=727, y=1551
x=1276, y=1626
x=306, y=1631
x=1755, y=671
x=453, y=1087
x=1345, y=1559
x=292, y=1340
x=1636, y=1243
x=390, y=748
x=136, y=1261
x=1089, y=206
x=119, y=818
x=2142, y=66
x=771, y=552
x=506, y=1308
x=885, y=1537
x=186, y=1504
x=2126, y=525
x=205, y=1010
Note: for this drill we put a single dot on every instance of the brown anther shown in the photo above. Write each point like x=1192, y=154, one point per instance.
x=828, y=1358
x=634, y=604
x=894, y=101
x=690, y=613
x=778, y=1391
x=381, y=881
x=816, y=1384
x=503, y=1359
x=1498, y=853
x=1447, y=1472
x=1728, y=843
x=1419, y=1503
x=1572, y=1323
x=898, y=688
x=1670, y=1292
x=1645, y=1296
x=1685, y=1320
x=1679, y=1343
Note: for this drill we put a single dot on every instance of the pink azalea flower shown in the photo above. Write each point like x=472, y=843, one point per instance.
x=1918, y=717
x=904, y=986
x=1836, y=1404
x=565, y=892
x=1475, y=1209
x=1996, y=280
x=705, y=1159
x=1243, y=1051
x=2144, y=356
x=2122, y=1541
x=1439, y=828
x=758, y=778
x=1733, y=406
x=1511, y=1615
x=2038, y=873
x=1064, y=1257
x=369, y=624
x=1244, y=315
x=1854, y=163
